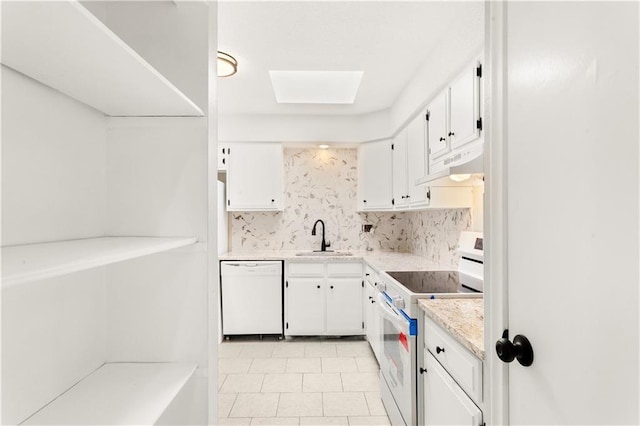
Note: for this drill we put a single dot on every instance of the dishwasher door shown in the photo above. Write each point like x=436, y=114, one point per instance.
x=251, y=297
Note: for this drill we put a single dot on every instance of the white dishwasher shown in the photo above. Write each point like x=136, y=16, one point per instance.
x=252, y=297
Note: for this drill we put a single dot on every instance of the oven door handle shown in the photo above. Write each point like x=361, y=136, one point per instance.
x=393, y=316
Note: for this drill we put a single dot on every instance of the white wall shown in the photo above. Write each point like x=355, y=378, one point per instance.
x=53, y=164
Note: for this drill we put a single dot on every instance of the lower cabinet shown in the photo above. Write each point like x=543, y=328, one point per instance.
x=445, y=403
x=324, y=298
x=451, y=380
x=371, y=317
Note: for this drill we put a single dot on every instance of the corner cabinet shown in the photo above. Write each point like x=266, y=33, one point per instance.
x=255, y=176
x=324, y=299
x=374, y=176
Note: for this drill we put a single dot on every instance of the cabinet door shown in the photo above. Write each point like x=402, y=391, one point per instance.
x=370, y=321
x=445, y=403
x=416, y=160
x=344, y=306
x=437, y=139
x=374, y=176
x=400, y=192
x=464, y=101
x=305, y=306
x=255, y=177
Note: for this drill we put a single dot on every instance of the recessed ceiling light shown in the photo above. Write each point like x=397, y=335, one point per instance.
x=323, y=146
x=227, y=65
x=315, y=87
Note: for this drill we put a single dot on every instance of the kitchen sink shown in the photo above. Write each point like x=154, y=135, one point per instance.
x=324, y=253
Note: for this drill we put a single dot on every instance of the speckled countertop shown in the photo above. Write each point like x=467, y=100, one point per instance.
x=463, y=319
x=380, y=260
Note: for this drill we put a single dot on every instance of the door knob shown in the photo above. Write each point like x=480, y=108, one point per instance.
x=520, y=349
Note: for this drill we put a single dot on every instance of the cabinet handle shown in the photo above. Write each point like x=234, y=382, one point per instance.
x=370, y=298
x=442, y=139
x=364, y=201
x=224, y=161
x=330, y=286
x=451, y=133
x=423, y=370
x=439, y=349
x=273, y=201
x=373, y=301
x=318, y=286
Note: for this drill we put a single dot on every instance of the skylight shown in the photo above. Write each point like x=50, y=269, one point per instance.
x=315, y=87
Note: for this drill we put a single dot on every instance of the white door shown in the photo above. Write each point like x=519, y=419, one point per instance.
x=344, y=306
x=416, y=159
x=571, y=146
x=400, y=192
x=464, y=99
x=438, y=140
x=305, y=306
x=374, y=175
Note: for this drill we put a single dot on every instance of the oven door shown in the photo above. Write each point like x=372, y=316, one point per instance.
x=398, y=357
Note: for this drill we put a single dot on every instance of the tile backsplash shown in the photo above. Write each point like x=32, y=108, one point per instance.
x=322, y=184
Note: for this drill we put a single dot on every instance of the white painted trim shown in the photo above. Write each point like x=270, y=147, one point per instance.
x=495, y=218
x=212, y=222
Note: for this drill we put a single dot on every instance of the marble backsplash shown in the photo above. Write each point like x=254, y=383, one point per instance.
x=322, y=184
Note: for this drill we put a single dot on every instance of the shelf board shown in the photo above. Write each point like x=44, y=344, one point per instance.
x=62, y=45
x=30, y=262
x=118, y=394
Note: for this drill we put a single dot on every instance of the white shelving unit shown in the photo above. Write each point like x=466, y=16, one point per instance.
x=31, y=262
x=118, y=394
x=109, y=342
x=64, y=46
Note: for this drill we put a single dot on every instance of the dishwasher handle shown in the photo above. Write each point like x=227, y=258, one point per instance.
x=251, y=268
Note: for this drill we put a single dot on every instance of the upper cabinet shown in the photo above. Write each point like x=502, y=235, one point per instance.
x=82, y=58
x=437, y=139
x=399, y=155
x=255, y=177
x=374, y=176
x=464, y=102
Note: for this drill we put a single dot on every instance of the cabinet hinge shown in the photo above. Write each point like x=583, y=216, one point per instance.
x=478, y=71
x=363, y=325
x=228, y=150
x=224, y=150
x=426, y=116
x=286, y=284
x=228, y=202
x=479, y=123
x=287, y=326
x=362, y=283
x=393, y=201
x=392, y=147
x=429, y=194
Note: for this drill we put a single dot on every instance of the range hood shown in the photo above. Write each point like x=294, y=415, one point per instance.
x=467, y=160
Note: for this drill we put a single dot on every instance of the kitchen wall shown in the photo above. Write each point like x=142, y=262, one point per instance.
x=322, y=184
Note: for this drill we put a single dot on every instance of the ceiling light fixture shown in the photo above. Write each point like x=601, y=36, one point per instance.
x=227, y=65
x=323, y=146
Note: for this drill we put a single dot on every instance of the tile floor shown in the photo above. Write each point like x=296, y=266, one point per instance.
x=303, y=381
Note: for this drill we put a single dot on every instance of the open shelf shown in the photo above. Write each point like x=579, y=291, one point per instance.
x=62, y=45
x=118, y=394
x=30, y=262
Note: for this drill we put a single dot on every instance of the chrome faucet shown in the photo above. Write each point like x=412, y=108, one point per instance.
x=324, y=245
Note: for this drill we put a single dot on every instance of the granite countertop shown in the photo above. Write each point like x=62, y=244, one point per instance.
x=380, y=260
x=463, y=319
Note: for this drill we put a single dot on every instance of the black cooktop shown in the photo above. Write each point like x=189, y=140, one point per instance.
x=429, y=281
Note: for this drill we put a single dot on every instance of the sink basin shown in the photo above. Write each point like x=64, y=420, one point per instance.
x=324, y=253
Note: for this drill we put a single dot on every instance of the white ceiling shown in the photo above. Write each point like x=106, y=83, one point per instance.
x=386, y=40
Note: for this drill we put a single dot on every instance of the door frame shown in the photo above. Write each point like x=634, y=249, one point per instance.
x=496, y=308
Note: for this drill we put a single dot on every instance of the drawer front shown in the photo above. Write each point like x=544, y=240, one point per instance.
x=310, y=269
x=461, y=364
x=344, y=269
x=370, y=275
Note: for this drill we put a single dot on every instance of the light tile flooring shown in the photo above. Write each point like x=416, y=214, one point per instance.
x=302, y=381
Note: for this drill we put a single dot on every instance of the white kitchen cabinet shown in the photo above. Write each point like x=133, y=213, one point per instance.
x=445, y=403
x=324, y=298
x=255, y=177
x=375, y=176
x=111, y=298
x=372, y=320
x=399, y=156
x=437, y=126
x=305, y=307
x=416, y=160
x=464, y=101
